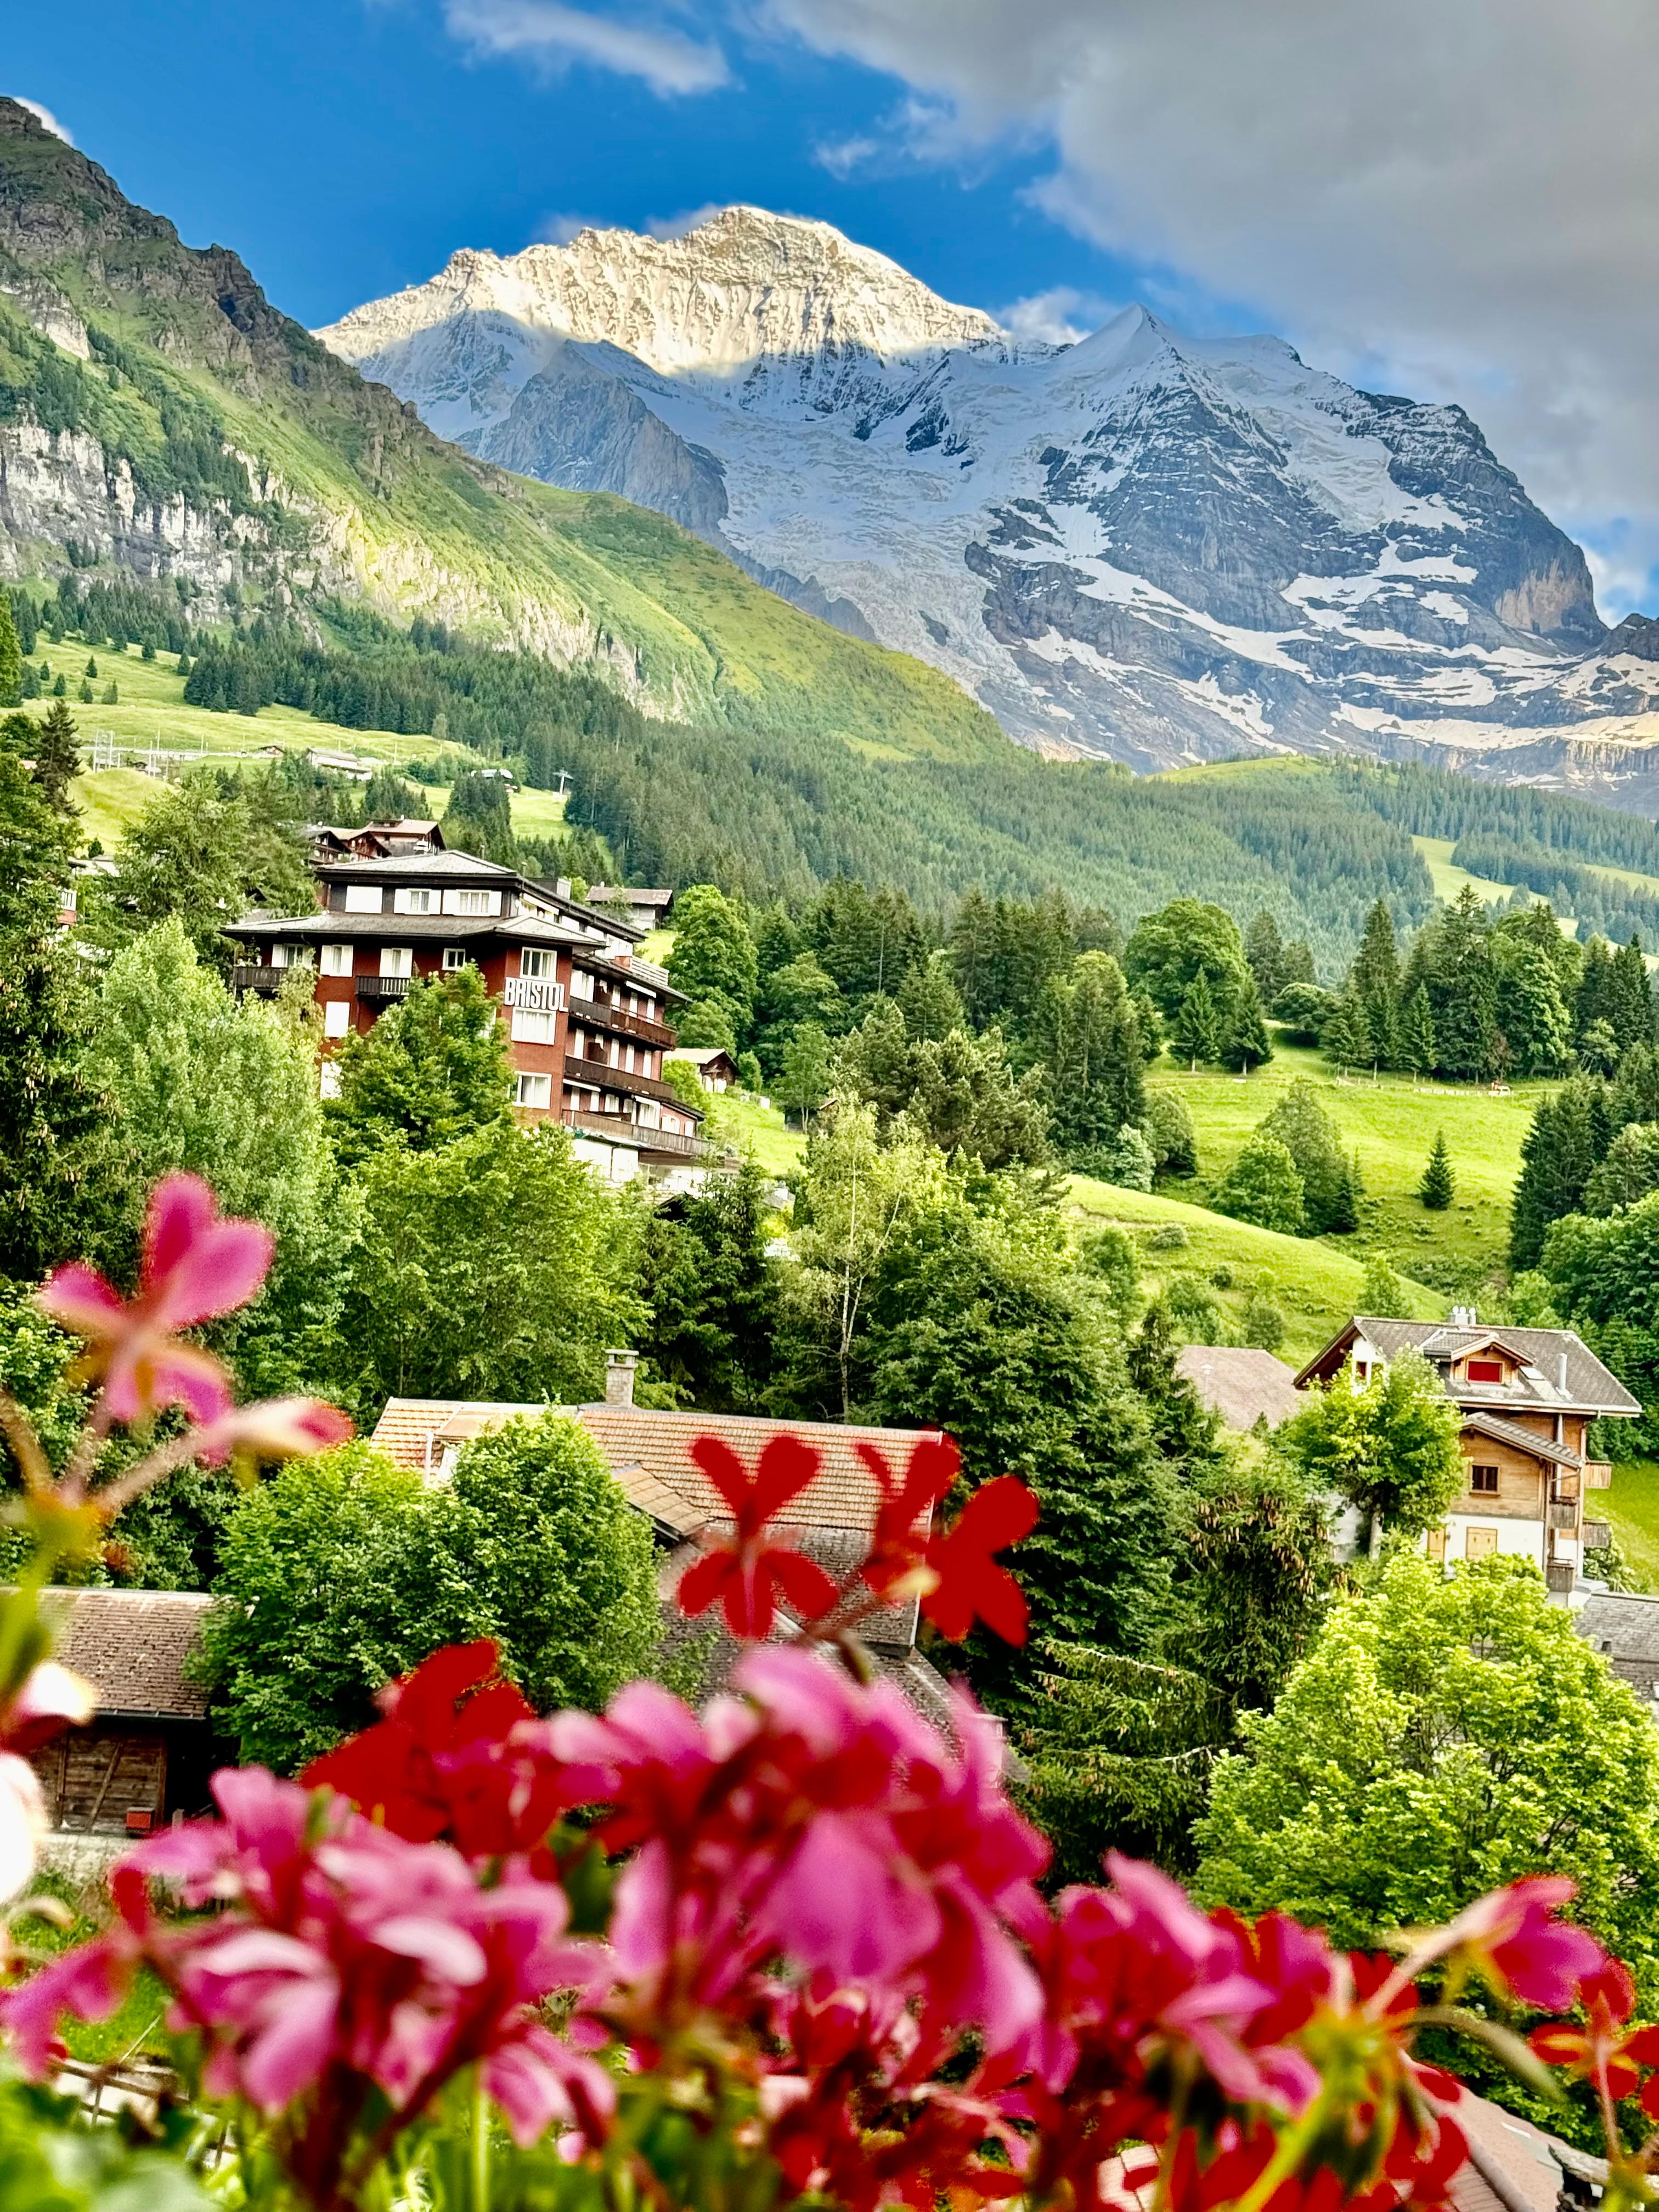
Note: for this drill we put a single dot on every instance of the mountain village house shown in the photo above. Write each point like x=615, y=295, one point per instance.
x=1527, y=1397
x=587, y=1016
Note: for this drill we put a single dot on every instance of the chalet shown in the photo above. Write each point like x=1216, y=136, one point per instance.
x=1624, y=1628
x=1526, y=1398
x=375, y=841
x=650, y=909
x=648, y=1452
x=714, y=1067
x=147, y=1752
x=587, y=1018
x=1243, y=1385
x=355, y=770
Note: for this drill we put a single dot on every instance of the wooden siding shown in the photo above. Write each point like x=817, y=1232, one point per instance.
x=1522, y=1488
x=93, y=1776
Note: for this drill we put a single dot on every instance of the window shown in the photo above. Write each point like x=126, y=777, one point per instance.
x=532, y=1028
x=336, y=1017
x=331, y=1079
x=1485, y=1371
x=363, y=898
x=532, y=1090
x=413, y=899
x=1483, y=1478
x=336, y=960
x=473, y=901
x=1362, y=1371
x=627, y=1059
x=455, y=958
x=396, y=960
x=535, y=960
x=582, y=984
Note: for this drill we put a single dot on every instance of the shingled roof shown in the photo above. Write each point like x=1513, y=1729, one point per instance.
x=1590, y=1388
x=648, y=1452
x=1240, y=1384
x=132, y=1646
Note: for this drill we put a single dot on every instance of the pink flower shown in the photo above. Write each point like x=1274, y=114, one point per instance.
x=50, y=1698
x=194, y=1266
x=277, y=1428
x=1514, y=1936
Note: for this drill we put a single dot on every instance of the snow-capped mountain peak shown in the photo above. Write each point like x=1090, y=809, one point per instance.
x=1145, y=545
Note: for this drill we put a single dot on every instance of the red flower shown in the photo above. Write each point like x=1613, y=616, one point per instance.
x=971, y=1586
x=458, y=1755
x=746, y=1575
x=1596, y=2052
x=898, y=1549
x=195, y=1268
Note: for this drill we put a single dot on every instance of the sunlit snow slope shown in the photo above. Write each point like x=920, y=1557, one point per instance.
x=1143, y=545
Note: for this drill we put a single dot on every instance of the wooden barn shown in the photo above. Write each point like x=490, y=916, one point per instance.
x=148, y=1752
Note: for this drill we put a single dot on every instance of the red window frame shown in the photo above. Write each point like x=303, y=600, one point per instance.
x=1485, y=1371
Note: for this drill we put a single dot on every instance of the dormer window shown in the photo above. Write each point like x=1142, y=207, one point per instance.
x=1485, y=1371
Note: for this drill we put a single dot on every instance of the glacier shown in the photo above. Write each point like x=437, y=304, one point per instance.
x=1144, y=547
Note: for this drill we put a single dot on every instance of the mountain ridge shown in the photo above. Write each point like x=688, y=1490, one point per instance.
x=1145, y=546
x=158, y=413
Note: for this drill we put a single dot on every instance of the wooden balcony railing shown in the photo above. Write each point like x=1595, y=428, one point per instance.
x=617, y=1129
x=371, y=989
x=1598, y=1474
x=1598, y=1534
x=1563, y=1515
x=594, y=1014
x=247, y=976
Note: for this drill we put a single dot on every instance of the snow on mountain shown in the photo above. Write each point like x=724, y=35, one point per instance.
x=1144, y=546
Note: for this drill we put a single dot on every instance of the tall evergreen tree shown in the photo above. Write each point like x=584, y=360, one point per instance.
x=1264, y=948
x=1438, y=1184
x=1559, y=1154
x=1090, y=1047
x=57, y=755
x=1247, y=1044
x=1630, y=999
x=1345, y=1038
x=1453, y=959
x=1532, y=1015
x=1375, y=976
x=1196, y=1035
x=11, y=657
x=1593, y=1002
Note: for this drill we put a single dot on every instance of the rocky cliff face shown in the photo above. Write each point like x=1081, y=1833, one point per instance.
x=1142, y=546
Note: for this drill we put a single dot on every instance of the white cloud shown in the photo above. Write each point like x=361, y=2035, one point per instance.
x=675, y=226
x=1456, y=203
x=45, y=117
x=840, y=156
x=553, y=36
x=559, y=229
x=1059, y=316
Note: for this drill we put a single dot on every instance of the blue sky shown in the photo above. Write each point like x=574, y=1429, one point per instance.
x=1454, y=204
x=345, y=151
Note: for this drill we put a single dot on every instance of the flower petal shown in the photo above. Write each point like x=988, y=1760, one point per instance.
x=79, y=1299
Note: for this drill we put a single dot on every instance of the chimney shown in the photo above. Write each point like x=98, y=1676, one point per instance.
x=1561, y=1374
x=619, y=1378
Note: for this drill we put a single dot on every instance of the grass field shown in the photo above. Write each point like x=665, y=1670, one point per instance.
x=1633, y=1507
x=756, y=1129
x=1391, y=1123
x=1315, y=1286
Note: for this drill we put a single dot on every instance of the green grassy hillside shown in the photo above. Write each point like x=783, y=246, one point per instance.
x=1391, y=1123
x=1314, y=1286
x=1632, y=1506
x=309, y=479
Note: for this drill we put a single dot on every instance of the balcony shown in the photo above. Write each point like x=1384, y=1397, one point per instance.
x=1598, y=1534
x=594, y=1014
x=1598, y=1474
x=1559, y=1577
x=617, y=1129
x=1563, y=1515
x=599, y=1075
x=380, y=990
x=1564, y=1488
x=267, y=981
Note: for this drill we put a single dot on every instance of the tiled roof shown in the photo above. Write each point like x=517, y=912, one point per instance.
x=657, y=1446
x=415, y=867
x=1590, y=1388
x=131, y=1645
x=1621, y=1624
x=1239, y=1383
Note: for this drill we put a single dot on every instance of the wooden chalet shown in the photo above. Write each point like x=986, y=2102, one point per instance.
x=1526, y=1398
x=147, y=1752
x=587, y=1018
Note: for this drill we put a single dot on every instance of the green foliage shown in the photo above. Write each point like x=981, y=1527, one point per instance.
x=1169, y=949
x=1627, y=1173
x=494, y=1267
x=1570, y=1134
x=1302, y=1009
x=1170, y=1131
x=1262, y=1324
x=435, y=1066
x=1382, y=1292
x=1390, y=1449
x=1443, y=1734
x=959, y=1092
x=205, y=858
x=53, y=2158
x=712, y=1294
x=1315, y=1145
x=478, y=818
x=713, y=956
x=341, y=1573
x=1439, y=1185
x=804, y=1079
x=1263, y=1186
x=1111, y=1262
x=1196, y=1033
x=1452, y=961
x=57, y=754
x=1127, y=1162
x=54, y=1163
x=11, y=656
x=1088, y=1040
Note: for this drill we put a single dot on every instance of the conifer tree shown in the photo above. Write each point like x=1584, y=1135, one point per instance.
x=1438, y=1184
x=1558, y=1153
x=91, y=669
x=1593, y=1002
x=1265, y=950
x=1630, y=1000
x=1196, y=1035
x=1248, y=1044
x=11, y=657
x=56, y=756
x=1375, y=976
x=1345, y=1038
x=86, y=693
x=60, y=689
